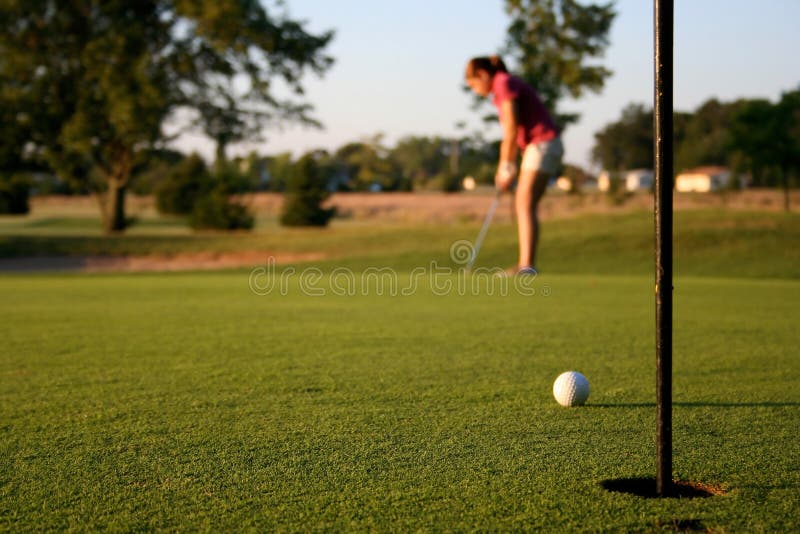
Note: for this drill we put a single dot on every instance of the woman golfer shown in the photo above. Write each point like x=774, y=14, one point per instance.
x=527, y=126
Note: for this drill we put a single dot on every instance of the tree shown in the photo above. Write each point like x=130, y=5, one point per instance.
x=183, y=184
x=14, y=194
x=14, y=188
x=154, y=165
x=216, y=211
x=788, y=139
x=764, y=140
x=627, y=143
x=96, y=81
x=279, y=170
x=305, y=193
x=552, y=43
x=416, y=160
x=479, y=157
x=706, y=136
x=365, y=164
x=752, y=140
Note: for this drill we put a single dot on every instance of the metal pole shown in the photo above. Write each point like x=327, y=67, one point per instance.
x=663, y=147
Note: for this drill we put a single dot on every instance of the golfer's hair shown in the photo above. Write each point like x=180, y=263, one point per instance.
x=491, y=64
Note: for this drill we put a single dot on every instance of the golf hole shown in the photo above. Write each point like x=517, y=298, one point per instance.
x=646, y=487
x=682, y=525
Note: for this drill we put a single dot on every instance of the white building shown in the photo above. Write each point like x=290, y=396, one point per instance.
x=563, y=184
x=604, y=181
x=639, y=180
x=633, y=180
x=703, y=180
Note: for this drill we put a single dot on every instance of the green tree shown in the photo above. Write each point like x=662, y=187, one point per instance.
x=305, y=193
x=479, y=157
x=417, y=160
x=96, y=81
x=627, y=143
x=553, y=44
x=788, y=140
x=279, y=171
x=706, y=136
x=365, y=163
x=752, y=141
x=183, y=185
x=217, y=211
x=154, y=165
x=14, y=194
x=14, y=186
x=764, y=141
x=14, y=135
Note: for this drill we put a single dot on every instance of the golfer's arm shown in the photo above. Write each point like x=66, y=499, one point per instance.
x=508, y=121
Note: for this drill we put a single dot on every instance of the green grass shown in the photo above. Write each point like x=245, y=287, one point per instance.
x=707, y=242
x=188, y=402
x=184, y=402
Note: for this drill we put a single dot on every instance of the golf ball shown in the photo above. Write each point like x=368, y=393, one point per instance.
x=571, y=389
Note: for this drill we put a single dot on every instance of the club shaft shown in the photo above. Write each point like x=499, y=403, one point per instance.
x=482, y=234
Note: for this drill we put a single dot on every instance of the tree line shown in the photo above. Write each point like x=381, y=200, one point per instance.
x=210, y=195
x=755, y=137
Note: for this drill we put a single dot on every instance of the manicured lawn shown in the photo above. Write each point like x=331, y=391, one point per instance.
x=188, y=402
x=378, y=388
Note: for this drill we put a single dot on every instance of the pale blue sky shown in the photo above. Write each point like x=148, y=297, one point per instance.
x=399, y=66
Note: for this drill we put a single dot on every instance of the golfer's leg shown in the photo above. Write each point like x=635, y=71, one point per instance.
x=530, y=189
x=525, y=218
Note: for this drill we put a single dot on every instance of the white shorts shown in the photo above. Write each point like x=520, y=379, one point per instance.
x=544, y=157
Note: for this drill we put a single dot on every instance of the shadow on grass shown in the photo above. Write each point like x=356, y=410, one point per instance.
x=72, y=246
x=698, y=405
x=646, y=487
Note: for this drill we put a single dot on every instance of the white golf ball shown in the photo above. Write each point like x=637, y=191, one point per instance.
x=571, y=389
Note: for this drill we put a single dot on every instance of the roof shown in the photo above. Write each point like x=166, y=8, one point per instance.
x=710, y=170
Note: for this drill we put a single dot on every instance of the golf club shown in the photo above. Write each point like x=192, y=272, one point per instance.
x=479, y=240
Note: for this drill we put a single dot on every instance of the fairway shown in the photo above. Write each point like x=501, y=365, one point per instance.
x=188, y=402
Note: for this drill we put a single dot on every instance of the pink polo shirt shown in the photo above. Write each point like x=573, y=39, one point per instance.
x=535, y=123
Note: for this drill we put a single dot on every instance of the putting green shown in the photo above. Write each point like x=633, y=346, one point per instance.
x=188, y=402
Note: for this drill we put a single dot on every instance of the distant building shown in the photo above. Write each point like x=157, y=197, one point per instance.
x=703, y=180
x=563, y=184
x=633, y=180
x=604, y=181
x=639, y=180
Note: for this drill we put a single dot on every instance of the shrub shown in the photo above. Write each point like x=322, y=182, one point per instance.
x=182, y=186
x=189, y=188
x=215, y=211
x=228, y=177
x=305, y=193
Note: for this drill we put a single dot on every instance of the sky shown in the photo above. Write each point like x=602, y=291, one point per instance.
x=399, y=71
